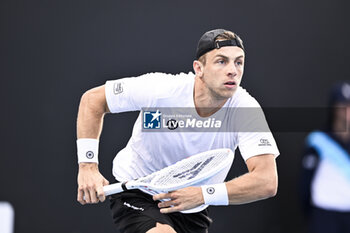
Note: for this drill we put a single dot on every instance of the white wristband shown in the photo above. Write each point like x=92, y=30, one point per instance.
x=87, y=150
x=215, y=194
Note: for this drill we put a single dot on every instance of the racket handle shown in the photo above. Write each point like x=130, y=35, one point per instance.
x=112, y=189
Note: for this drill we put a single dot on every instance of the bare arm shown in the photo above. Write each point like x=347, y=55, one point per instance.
x=259, y=183
x=92, y=109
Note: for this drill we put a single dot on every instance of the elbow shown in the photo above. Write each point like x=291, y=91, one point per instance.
x=88, y=97
x=271, y=187
x=268, y=186
x=84, y=100
x=271, y=191
x=94, y=99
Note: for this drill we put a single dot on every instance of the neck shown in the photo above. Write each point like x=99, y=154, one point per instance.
x=341, y=133
x=343, y=137
x=205, y=102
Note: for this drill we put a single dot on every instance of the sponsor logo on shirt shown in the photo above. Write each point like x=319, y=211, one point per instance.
x=264, y=142
x=152, y=119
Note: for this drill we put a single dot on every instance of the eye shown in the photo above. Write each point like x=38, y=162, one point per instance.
x=239, y=63
x=221, y=61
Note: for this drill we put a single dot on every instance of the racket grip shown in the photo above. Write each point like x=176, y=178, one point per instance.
x=112, y=189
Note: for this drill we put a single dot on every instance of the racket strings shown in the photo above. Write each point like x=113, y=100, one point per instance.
x=190, y=169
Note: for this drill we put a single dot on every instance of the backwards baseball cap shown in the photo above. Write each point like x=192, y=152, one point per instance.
x=207, y=42
x=340, y=93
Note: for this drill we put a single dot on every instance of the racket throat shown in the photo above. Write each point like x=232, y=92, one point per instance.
x=124, y=186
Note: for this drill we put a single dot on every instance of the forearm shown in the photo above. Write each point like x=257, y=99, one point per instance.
x=259, y=183
x=89, y=125
x=249, y=187
x=92, y=109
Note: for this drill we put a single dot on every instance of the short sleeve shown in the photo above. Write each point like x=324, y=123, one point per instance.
x=254, y=135
x=252, y=144
x=135, y=93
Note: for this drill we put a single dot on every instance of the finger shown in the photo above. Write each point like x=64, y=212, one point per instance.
x=93, y=195
x=161, y=196
x=86, y=194
x=105, y=182
x=170, y=210
x=170, y=203
x=87, y=197
x=80, y=197
x=101, y=195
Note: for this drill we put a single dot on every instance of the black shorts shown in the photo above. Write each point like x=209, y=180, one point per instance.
x=134, y=211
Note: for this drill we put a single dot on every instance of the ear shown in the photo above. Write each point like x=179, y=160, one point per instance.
x=198, y=68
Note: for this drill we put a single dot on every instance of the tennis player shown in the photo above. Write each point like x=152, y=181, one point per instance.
x=213, y=90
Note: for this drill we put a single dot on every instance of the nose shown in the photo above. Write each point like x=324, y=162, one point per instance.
x=231, y=69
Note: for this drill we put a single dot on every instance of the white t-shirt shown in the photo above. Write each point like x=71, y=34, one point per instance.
x=147, y=152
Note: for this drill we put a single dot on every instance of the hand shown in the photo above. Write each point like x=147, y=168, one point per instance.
x=182, y=199
x=90, y=184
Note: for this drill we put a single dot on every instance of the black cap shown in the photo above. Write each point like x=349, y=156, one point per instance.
x=340, y=93
x=207, y=42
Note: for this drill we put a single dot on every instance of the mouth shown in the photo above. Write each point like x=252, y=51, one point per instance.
x=230, y=84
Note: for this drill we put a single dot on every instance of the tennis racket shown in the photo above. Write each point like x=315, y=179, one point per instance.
x=195, y=170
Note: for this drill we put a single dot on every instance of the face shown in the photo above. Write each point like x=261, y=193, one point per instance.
x=222, y=73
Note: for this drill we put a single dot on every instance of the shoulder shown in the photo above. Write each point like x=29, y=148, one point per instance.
x=166, y=77
x=315, y=137
x=156, y=79
x=242, y=98
x=314, y=143
x=166, y=85
x=156, y=83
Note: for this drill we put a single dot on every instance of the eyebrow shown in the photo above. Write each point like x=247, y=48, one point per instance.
x=226, y=57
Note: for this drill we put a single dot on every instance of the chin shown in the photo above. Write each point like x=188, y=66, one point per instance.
x=230, y=93
x=227, y=95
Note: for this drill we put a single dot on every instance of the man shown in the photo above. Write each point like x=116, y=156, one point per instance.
x=325, y=183
x=213, y=90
